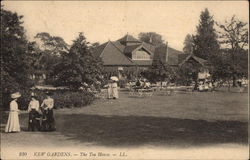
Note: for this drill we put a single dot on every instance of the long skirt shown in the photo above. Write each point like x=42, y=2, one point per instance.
x=115, y=92
x=48, y=123
x=110, y=95
x=13, y=122
x=34, y=123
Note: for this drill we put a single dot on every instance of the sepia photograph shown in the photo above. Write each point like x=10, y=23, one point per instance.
x=124, y=80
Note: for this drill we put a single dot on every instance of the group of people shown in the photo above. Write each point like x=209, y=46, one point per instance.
x=41, y=118
x=140, y=84
x=205, y=86
x=112, y=89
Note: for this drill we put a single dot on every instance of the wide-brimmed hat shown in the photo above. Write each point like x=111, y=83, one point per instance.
x=15, y=95
x=114, y=78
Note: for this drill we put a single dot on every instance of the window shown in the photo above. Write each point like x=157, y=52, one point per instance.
x=140, y=55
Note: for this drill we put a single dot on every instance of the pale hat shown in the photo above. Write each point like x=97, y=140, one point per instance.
x=114, y=78
x=15, y=95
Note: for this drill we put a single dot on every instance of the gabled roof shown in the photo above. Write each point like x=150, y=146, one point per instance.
x=149, y=46
x=128, y=38
x=163, y=51
x=98, y=50
x=119, y=45
x=111, y=55
x=185, y=57
x=173, y=56
x=119, y=53
x=129, y=49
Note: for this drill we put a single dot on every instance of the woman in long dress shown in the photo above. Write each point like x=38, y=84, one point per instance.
x=110, y=94
x=13, y=120
x=115, y=90
x=33, y=110
x=47, y=106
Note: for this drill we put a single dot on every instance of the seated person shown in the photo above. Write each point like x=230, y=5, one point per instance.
x=33, y=110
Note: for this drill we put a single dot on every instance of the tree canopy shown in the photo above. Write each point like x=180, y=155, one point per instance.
x=79, y=66
x=151, y=37
x=15, y=55
x=188, y=44
x=234, y=58
x=205, y=41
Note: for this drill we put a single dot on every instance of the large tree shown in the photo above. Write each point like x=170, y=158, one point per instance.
x=49, y=50
x=188, y=44
x=79, y=66
x=151, y=37
x=234, y=38
x=55, y=45
x=205, y=41
x=16, y=59
x=15, y=55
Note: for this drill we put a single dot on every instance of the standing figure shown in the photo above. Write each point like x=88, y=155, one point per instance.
x=110, y=93
x=13, y=120
x=115, y=90
x=48, y=116
x=33, y=110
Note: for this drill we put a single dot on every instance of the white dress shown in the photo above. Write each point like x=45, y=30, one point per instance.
x=115, y=90
x=13, y=120
x=110, y=93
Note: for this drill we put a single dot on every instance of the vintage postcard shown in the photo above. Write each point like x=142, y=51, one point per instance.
x=122, y=80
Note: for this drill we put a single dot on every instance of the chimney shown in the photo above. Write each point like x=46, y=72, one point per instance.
x=166, y=51
x=150, y=39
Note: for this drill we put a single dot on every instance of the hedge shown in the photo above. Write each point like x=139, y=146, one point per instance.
x=62, y=98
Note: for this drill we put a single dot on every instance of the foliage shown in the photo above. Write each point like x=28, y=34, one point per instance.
x=16, y=57
x=159, y=71
x=223, y=68
x=234, y=36
x=79, y=66
x=188, y=44
x=48, y=50
x=205, y=41
x=62, y=98
x=151, y=37
x=53, y=44
x=188, y=72
x=72, y=99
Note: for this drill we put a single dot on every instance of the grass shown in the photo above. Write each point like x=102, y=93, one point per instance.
x=180, y=120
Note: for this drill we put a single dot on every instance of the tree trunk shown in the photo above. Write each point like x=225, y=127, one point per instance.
x=234, y=80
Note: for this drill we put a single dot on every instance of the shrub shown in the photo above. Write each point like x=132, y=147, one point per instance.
x=62, y=98
x=72, y=99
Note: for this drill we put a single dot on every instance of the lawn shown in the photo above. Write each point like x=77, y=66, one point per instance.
x=178, y=121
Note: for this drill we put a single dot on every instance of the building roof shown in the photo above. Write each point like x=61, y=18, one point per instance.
x=98, y=50
x=129, y=49
x=182, y=58
x=171, y=57
x=119, y=53
x=119, y=45
x=111, y=55
x=128, y=38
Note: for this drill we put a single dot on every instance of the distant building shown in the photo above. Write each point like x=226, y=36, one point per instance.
x=128, y=54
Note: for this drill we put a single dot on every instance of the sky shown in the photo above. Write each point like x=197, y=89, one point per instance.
x=111, y=20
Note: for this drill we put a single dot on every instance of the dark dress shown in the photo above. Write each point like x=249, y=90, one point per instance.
x=34, y=124
x=48, y=121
